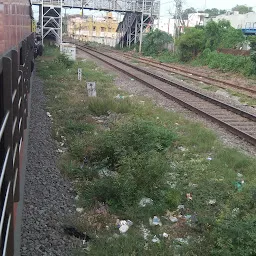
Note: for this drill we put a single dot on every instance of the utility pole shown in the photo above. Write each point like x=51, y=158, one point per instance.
x=141, y=25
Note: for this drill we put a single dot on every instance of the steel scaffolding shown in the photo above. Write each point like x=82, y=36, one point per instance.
x=129, y=29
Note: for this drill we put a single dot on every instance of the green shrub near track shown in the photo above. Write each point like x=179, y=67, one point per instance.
x=140, y=150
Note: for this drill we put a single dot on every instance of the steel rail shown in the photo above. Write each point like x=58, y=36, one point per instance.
x=133, y=72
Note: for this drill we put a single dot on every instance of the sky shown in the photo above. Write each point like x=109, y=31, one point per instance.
x=167, y=5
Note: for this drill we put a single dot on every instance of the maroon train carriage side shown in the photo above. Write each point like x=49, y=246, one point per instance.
x=16, y=64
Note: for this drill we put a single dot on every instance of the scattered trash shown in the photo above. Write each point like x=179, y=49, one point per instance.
x=191, y=74
x=209, y=158
x=177, y=124
x=118, y=96
x=189, y=196
x=239, y=175
x=145, y=232
x=80, y=210
x=165, y=235
x=156, y=240
x=145, y=201
x=194, y=218
x=188, y=217
x=182, y=149
x=173, y=219
x=48, y=114
x=181, y=206
x=212, y=201
x=124, y=225
x=105, y=172
x=240, y=182
x=155, y=221
x=59, y=150
x=235, y=212
x=193, y=185
x=181, y=240
x=157, y=118
x=72, y=231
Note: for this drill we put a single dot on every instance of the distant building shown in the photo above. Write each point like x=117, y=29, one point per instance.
x=94, y=29
x=194, y=19
x=197, y=19
x=246, y=22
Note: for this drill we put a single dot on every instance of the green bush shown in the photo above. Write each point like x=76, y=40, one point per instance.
x=155, y=42
x=138, y=135
x=64, y=59
x=225, y=62
x=102, y=106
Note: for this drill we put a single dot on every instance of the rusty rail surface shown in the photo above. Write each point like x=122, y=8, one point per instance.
x=249, y=91
x=15, y=73
x=235, y=120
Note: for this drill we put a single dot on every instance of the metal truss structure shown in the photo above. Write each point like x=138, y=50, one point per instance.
x=129, y=29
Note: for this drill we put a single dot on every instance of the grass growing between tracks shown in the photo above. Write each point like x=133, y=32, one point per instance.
x=120, y=150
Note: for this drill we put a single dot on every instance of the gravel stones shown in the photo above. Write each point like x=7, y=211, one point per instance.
x=48, y=197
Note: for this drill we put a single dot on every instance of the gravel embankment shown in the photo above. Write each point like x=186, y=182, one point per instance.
x=48, y=197
x=125, y=83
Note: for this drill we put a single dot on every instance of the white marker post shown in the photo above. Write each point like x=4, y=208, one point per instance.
x=91, y=89
x=79, y=74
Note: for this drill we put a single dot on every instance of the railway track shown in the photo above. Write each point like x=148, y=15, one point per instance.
x=248, y=91
x=235, y=120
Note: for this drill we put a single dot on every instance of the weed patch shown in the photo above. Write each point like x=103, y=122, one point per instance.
x=119, y=151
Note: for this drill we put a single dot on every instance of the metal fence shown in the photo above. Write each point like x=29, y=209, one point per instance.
x=15, y=73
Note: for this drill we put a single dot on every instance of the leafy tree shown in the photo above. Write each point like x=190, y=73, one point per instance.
x=231, y=37
x=186, y=12
x=242, y=9
x=252, y=40
x=215, y=12
x=191, y=43
x=155, y=41
x=212, y=36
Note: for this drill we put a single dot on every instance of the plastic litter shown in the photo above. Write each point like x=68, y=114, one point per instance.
x=165, y=235
x=212, y=201
x=209, y=158
x=132, y=79
x=48, y=114
x=182, y=149
x=189, y=196
x=181, y=206
x=156, y=240
x=145, y=201
x=188, y=217
x=173, y=219
x=235, y=212
x=119, y=97
x=124, y=225
x=80, y=210
x=239, y=182
x=123, y=228
x=181, y=240
x=155, y=221
x=145, y=232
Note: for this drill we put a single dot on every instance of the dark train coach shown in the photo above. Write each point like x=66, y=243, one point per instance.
x=17, y=47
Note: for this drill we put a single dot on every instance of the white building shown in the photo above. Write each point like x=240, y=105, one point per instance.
x=239, y=21
x=196, y=19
